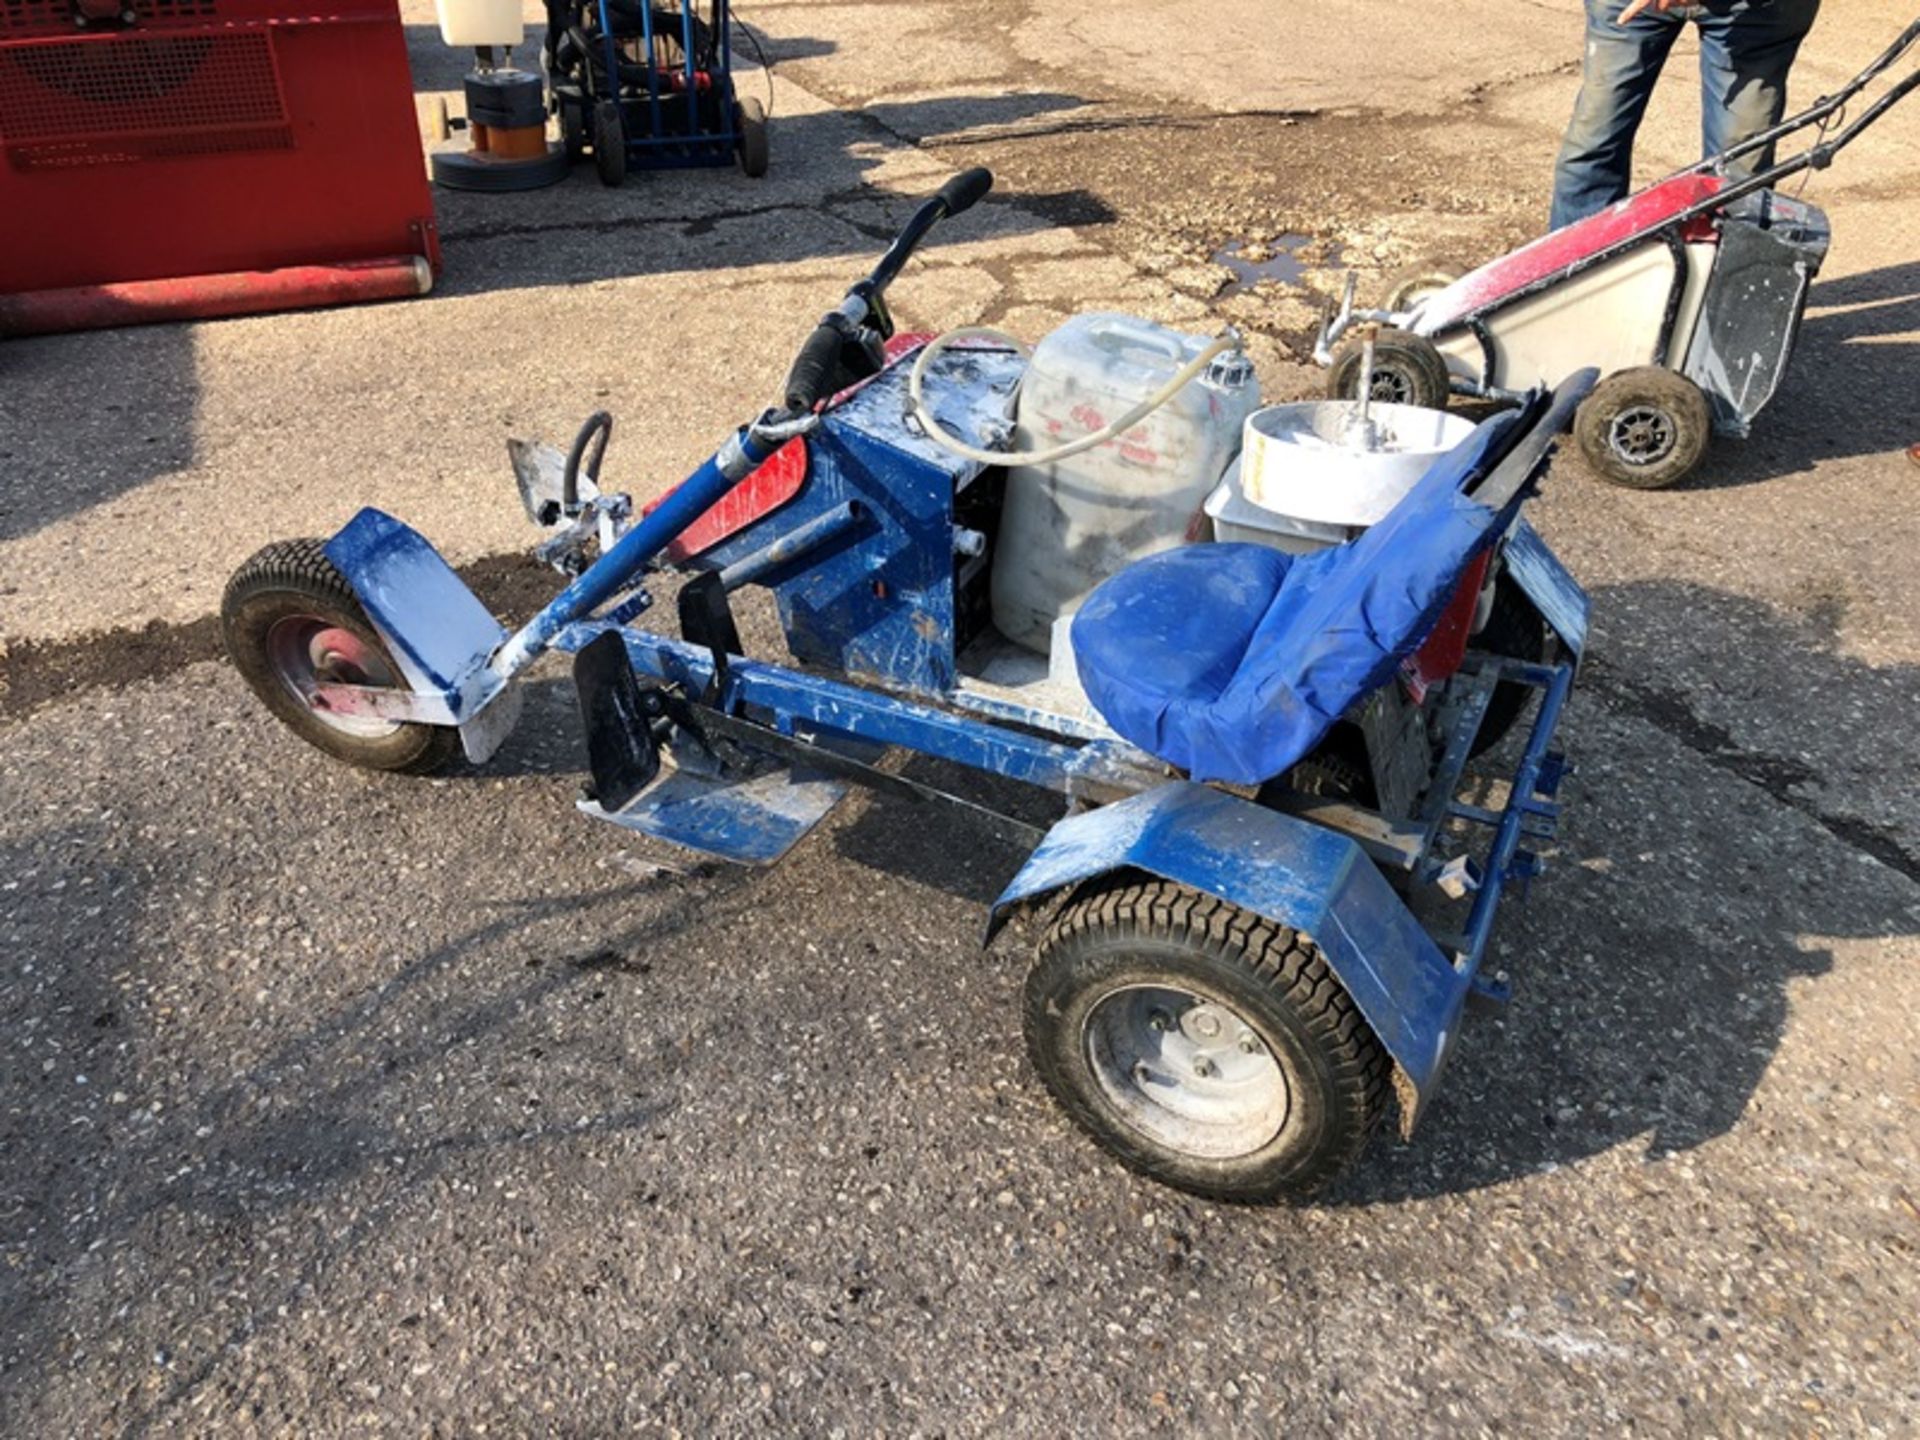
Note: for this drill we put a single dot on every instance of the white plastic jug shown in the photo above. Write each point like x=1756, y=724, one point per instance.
x=472, y=23
x=1066, y=527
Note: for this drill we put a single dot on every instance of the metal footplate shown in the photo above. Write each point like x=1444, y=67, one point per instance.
x=752, y=821
x=746, y=809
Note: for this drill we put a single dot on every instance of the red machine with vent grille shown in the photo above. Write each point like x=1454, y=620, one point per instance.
x=169, y=158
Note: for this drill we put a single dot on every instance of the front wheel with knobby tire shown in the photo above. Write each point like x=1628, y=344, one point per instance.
x=1203, y=1045
x=1407, y=370
x=292, y=624
x=1646, y=429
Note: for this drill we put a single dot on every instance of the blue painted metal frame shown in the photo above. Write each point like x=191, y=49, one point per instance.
x=1561, y=601
x=816, y=705
x=879, y=601
x=1536, y=780
x=621, y=566
x=438, y=632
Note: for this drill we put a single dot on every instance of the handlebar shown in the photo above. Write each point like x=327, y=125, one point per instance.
x=811, y=379
x=956, y=197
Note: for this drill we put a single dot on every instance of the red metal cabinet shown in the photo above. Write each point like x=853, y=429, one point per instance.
x=205, y=136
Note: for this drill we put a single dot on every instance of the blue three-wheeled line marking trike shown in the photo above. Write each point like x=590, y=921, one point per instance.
x=1270, y=897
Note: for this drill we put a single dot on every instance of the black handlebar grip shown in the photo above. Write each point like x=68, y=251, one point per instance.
x=814, y=368
x=965, y=190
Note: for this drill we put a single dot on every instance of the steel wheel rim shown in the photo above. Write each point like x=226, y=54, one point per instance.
x=1642, y=435
x=307, y=651
x=1186, y=1070
x=1393, y=386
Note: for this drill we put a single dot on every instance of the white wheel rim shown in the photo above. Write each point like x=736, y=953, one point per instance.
x=1186, y=1071
x=307, y=651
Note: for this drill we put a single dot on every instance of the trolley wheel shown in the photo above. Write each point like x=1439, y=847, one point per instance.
x=1407, y=288
x=1407, y=370
x=609, y=142
x=1513, y=629
x=753, y=138
x=1646, y=429
x=439, y=120
x=1203, y=1046
x=291, y=621
x=573, y=130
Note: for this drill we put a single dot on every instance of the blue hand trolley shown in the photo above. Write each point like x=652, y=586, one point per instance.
x=648, y=84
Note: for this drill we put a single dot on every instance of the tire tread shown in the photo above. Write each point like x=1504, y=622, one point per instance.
x=1277, y=956
x=301, y=567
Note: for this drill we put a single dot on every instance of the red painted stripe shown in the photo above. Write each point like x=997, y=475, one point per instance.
x=1640, y=215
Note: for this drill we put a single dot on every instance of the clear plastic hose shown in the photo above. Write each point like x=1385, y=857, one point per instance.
x=1226, y=341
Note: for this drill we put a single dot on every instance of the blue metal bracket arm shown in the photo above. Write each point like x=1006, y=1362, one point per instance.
x=1292, y=872
x=1562, y=603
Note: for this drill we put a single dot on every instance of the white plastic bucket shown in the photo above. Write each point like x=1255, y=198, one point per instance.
x=1237, y=520
x=1306, y=461
x=471, y=23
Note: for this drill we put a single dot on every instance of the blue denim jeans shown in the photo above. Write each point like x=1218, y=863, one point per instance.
x=1746, y=49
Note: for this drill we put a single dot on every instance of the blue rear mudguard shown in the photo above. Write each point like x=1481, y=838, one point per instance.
x=1294, y=873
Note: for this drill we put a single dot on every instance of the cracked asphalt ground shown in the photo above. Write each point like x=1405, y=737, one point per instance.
x=335, y=1103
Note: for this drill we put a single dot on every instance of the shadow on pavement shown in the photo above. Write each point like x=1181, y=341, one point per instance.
x=104, y=412
x=1849, y=390
x=1652, y=967
x=819, y=200
x=337, y=1117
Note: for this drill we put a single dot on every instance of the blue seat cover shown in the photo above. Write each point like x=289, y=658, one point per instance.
x=1231, y=661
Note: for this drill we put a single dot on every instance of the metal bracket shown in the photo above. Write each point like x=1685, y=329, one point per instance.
x=1554, y=769
x=1489, y=992
x=1526, y=865
x=706, y=618
x=623, y=749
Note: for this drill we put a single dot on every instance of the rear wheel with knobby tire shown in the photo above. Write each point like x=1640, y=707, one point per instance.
x=1407, y=370
x=1202, y=1045
x=292, y=624
x=1646, y=429
x=1513, y=629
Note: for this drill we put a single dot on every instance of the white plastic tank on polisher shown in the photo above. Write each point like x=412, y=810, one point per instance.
x=1318, y=473
x=1067, y=526
x=472, y=24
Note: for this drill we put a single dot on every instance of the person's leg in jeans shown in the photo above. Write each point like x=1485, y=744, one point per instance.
x=1622, y=64
x=1745, y=54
